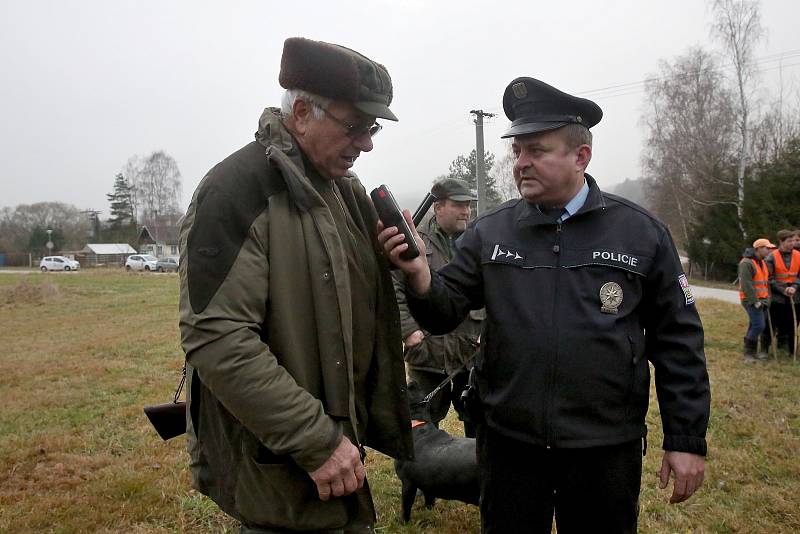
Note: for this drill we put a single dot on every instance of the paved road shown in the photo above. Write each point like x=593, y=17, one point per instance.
x=727, y=295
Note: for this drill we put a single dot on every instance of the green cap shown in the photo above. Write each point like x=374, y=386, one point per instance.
x=336, y=72
x=452, y=188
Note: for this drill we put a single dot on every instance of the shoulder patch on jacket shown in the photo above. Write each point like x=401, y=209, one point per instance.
x=236, y=193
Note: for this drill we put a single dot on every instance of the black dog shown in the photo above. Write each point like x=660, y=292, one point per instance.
x=445, y=466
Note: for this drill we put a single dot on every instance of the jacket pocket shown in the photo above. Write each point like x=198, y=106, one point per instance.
x=639, y=393
x=282, y=495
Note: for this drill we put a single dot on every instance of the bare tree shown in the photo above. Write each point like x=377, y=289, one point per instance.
x=156, y=181
x=17, y=224
x=779, y=124
x=503, y=175
x=737, y=24
x=689, y=120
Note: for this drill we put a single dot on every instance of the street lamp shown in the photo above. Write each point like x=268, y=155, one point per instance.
x=49, y=243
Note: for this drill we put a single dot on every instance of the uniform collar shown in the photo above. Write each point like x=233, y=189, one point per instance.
x=588, y=199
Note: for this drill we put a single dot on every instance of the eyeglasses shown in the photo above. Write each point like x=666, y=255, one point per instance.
x=354, y=131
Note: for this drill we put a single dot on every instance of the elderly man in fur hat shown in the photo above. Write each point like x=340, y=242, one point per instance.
x=287, y=311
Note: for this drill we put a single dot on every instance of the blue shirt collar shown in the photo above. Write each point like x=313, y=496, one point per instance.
x=577, y=202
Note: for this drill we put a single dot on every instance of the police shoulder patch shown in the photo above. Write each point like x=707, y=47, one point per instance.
x=686, y=288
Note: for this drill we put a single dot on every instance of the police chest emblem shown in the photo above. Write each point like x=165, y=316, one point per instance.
x=610, y=297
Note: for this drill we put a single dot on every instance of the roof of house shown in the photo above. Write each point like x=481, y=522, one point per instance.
x=159, y=233
x=109, y=248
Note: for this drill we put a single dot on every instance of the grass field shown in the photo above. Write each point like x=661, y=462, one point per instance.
x=83, y=352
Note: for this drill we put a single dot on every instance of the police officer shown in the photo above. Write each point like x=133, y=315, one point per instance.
x=581, y=289
x=430, y=359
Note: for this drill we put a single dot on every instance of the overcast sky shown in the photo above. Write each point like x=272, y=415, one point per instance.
x=88, y=84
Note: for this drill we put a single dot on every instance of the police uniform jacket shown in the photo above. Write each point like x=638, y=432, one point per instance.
x=266, y=324
x=575, y=311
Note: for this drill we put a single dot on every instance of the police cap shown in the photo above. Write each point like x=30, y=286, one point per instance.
x=533, y=106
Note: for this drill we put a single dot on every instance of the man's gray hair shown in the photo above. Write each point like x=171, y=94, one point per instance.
x=318, y=103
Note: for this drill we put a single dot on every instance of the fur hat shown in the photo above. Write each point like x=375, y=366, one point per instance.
x=337, y=72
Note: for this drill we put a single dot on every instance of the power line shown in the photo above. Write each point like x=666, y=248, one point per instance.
x=631, y=88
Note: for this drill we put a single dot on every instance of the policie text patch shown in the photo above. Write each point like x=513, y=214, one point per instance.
x=687, y=289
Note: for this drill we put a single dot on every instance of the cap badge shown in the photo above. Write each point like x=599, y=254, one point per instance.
x=579, y=119
x=610, y=297
x=520, y=90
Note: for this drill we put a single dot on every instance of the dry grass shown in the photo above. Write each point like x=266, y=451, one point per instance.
x=26, y=293
x=83, y=353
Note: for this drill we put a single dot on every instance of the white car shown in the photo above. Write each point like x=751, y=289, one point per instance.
x=58, y=263
x=141, y=262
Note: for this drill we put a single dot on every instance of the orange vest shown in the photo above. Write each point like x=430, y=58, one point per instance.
x=760, y=281
x=782, y=274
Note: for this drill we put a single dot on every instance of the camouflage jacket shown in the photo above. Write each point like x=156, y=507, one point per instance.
x=448, y=352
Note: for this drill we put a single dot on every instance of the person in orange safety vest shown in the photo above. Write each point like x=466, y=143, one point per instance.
x=784, y=265
x=754, y=295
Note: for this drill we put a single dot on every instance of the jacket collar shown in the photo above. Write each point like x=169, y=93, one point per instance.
x=283, y=152
x=529, y=214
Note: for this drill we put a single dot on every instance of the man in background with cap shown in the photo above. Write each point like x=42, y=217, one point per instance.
x=429, y=358
x=783, y=264
x=287, y=310
x=581, y=289
x=754, y=296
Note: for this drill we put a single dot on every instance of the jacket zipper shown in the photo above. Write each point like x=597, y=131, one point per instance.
x=549, y=438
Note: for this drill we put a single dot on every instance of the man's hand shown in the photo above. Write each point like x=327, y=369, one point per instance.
x=393, y=243
x=789, y=291
x=757, y=305
x=414, y=338
x=689, y=470
x=342, y=473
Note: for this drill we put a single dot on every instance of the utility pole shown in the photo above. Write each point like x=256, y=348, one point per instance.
x=480, y=163
x=95, y=221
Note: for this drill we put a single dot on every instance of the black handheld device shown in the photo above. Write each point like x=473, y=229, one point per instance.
x=389, y=213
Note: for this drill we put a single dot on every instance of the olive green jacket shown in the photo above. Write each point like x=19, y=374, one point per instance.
x=747, y=272
x=441, y=354
x=265, y=321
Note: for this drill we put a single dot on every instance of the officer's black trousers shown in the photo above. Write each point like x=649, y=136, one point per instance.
x=588, y=490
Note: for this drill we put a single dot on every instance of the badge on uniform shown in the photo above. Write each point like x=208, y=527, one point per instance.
x=610, y=297
x=687, y=289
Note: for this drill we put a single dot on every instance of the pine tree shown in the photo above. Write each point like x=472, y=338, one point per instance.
x=121, y=206
x=465, y=168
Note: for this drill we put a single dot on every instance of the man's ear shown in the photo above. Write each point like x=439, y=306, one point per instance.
x=302, y=113
x=583, y=156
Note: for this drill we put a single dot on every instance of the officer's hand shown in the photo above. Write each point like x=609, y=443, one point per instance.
x=757, y=305
x=789, y=291
x=393, y=243
x=341, y=474
x=414, y=338
x=688, y=470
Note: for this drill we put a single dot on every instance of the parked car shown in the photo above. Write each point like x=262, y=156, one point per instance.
x=168, y=264
x=141, y=262
x=58, y=263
